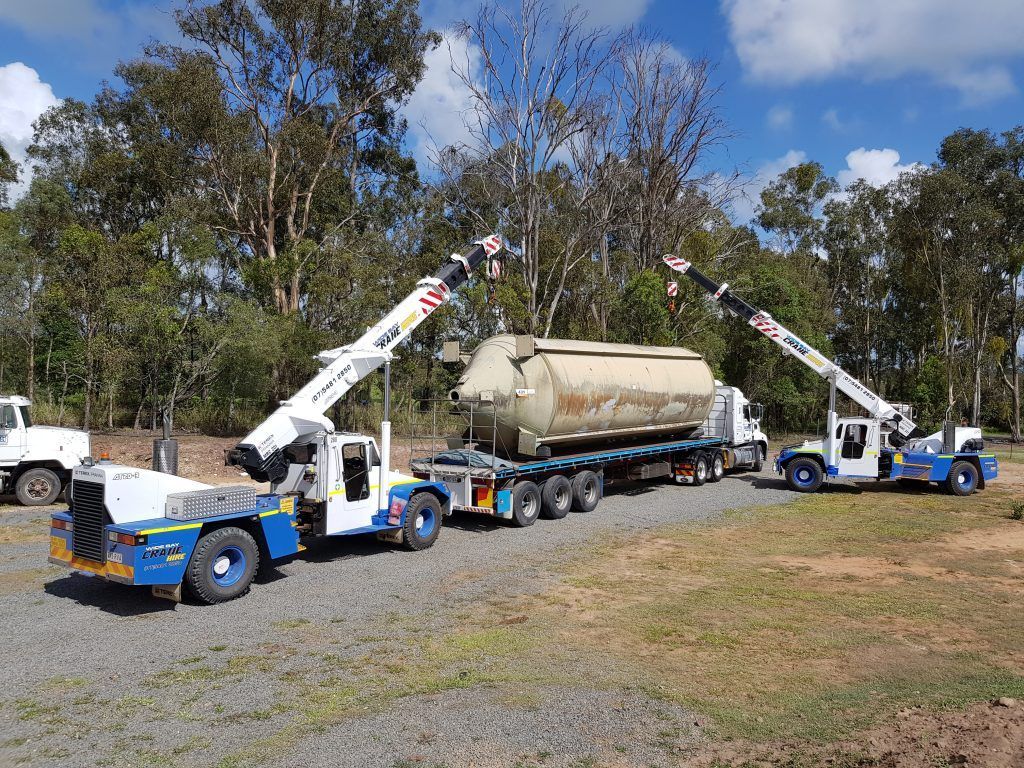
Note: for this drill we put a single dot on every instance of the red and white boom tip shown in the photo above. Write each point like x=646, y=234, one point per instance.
x=491, y=244
x=678, y=263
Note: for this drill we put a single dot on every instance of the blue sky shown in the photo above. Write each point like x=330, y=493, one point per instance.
x=884, y=80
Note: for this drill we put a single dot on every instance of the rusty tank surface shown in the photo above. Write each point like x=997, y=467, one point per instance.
x=532, y=397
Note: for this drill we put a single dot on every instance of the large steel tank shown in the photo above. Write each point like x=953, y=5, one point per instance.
x=554, y=393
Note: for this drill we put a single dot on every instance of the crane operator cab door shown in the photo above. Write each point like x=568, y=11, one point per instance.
x=855, y=447
x=354, y=470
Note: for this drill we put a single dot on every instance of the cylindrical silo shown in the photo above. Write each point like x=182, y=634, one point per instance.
x=554, y=392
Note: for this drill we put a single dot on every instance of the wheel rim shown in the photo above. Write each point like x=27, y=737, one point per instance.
x=561, y=497
x=719, y=468
x=590, y=492
x=702, y=470
x=38, y=488
x=965, y=480
x=804, y=475
x=228, y=566
x=425, y=522
x=530, y=505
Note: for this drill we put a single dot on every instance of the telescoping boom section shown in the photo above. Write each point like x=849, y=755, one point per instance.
x=261, y=454
x=876, y=407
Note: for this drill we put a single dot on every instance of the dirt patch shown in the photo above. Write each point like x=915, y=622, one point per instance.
x=986, y=735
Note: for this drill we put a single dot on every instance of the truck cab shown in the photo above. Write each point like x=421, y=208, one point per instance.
x=737, y=421
x=35, y=461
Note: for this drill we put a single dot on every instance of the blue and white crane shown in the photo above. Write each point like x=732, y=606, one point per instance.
x=135, y=526
x=887, y=444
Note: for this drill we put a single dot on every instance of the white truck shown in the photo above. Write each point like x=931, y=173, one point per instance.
x=35, y=461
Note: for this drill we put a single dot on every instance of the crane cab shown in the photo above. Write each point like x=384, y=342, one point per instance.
x=337, y=478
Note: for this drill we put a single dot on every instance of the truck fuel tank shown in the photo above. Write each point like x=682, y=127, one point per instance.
x=542, y=394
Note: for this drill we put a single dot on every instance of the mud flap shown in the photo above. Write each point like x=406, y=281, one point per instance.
x=168, y=591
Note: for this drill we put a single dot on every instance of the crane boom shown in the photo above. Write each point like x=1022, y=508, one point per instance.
x=876, y=407
x=260, y=453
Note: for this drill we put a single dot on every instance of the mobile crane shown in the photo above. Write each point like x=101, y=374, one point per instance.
x=136, y=526
x=887, y=445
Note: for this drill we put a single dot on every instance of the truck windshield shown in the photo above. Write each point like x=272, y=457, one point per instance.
x=25, y=418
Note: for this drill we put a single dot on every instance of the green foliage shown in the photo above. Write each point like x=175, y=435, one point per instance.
x=641, y=316
x=193, y=238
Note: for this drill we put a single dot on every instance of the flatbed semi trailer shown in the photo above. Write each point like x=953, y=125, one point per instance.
x=522, y=491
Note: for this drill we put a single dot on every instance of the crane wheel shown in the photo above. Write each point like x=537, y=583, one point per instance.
x=804, y=475
x=222, y=565
x=422, y=521
x=556, y=497
x=963, y=479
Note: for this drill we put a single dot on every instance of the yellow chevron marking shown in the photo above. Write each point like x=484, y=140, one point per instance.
x=59, y=551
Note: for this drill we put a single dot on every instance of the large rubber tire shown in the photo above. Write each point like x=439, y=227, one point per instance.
x=759, y=456
x=37, y=487
x=526, y=503
x=222, y=565
x=422, y=521
x=586, y=491
x=701, y=469
x=556, y=497
x=963, y=478
x=717, y=469
x=804, y=475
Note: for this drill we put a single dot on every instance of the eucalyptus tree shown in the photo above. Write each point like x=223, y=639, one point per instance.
x=289, y=110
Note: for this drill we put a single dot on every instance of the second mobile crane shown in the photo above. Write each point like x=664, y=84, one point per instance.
x=886, y=445
x=135, y=526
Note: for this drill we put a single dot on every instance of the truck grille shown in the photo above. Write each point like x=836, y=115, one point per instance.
x=89, y=516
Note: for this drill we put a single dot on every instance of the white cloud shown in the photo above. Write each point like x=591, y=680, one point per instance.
x=876, y=166
x=779, y=117
x=23, y=98
x=959, y=44
x=438, y=109
x=749, y=194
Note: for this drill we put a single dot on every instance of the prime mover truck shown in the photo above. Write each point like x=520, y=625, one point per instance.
x=548, y=421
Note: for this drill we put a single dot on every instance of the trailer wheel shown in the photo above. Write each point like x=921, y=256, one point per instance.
x=717, y=470
x=223, y=565
x=422, y=521
x=963, y=478
x=555, y=497
x=37, y=487
x=525, y=503
x=804, y=475
x=700, y=469
x=586, y=491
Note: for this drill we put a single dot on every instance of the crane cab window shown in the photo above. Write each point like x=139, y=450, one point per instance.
x=854, y=441
x=355, y=470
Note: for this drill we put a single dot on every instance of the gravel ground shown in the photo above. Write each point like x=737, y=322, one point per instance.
x=101, y=674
